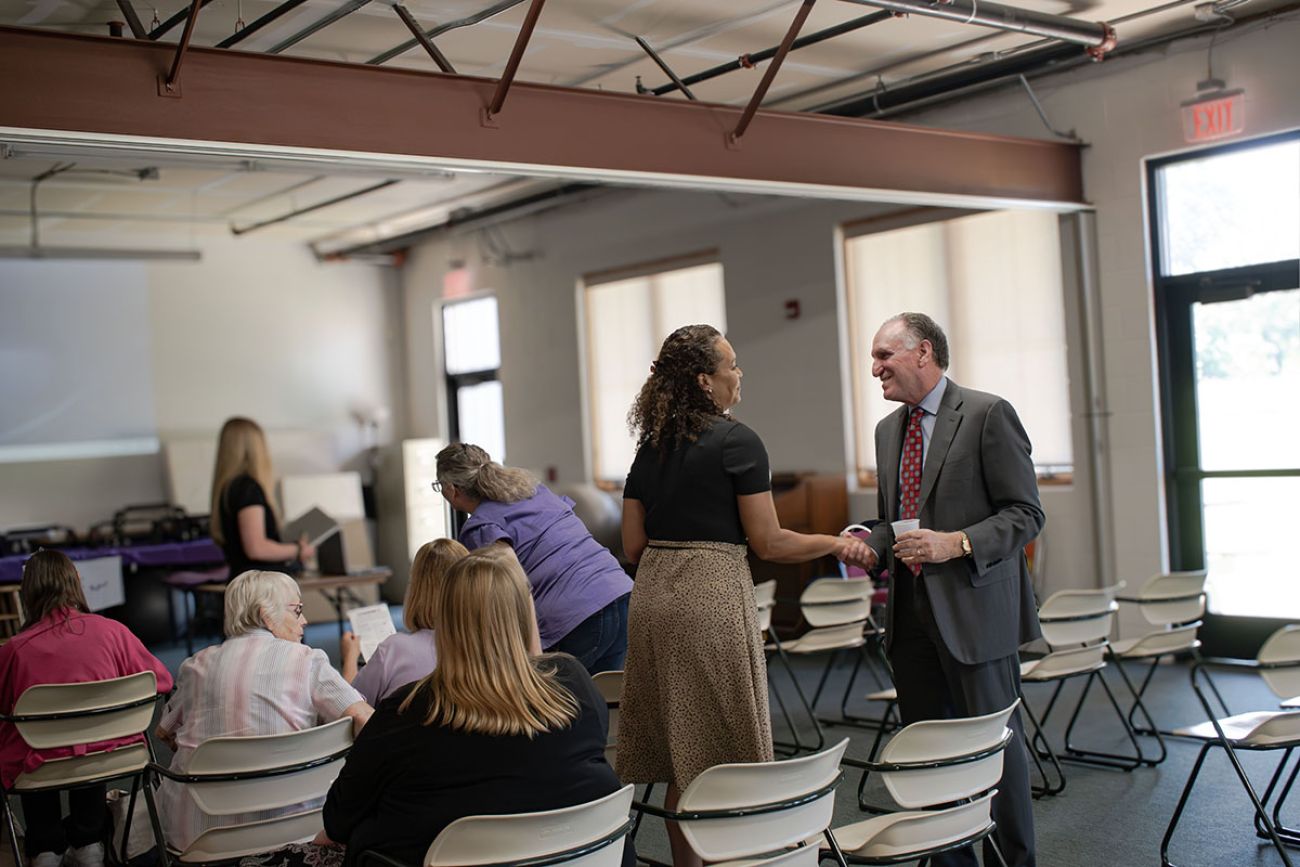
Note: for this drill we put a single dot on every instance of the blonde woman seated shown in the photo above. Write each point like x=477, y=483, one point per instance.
x=406, y=656
x=490, y=730
x=261, y=680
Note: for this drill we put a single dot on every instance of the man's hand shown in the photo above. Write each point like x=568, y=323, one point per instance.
x=323, y=839
x=855, y=552
x=927, y=546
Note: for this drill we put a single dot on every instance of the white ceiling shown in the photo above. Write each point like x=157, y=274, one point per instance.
x=578, y=43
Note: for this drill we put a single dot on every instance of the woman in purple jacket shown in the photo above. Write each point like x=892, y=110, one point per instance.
x=579, y=590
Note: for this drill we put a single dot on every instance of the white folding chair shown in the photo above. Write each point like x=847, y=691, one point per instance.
x=943, y=773
x=56, y=715
x=1278, y=663
x=737, y=811
x=585, y=835
x=1174, y=604
x=838, y=610
x=228, y=776
x=1076, y=625
x=610, y=686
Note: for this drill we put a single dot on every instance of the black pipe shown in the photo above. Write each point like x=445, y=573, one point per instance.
x=443, y=28
x=767, y=53
x=132, y=20
x=174, y=20
x=237, y=230
x=425, y=42
x=337, y=15
x=241, y=35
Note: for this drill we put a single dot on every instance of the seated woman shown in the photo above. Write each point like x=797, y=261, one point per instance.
x=62, y=642
x=406, y=656
x=579, y=589
x=261, y=680
x=490, y=730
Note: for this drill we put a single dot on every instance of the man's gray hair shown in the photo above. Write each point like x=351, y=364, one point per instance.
x=921, y=327
x=253, y=592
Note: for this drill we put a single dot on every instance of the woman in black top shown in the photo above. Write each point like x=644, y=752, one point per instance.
x=490, y=731
x=699, y=491
x=243, y=521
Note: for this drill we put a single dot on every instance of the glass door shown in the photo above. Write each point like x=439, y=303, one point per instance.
x=1226, y=232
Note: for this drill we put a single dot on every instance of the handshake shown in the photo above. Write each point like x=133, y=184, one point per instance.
x=852, y=551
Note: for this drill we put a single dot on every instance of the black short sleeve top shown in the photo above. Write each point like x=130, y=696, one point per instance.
x=242, y=492
x=689, y=492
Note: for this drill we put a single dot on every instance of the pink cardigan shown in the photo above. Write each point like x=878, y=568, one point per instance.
x=66, y=647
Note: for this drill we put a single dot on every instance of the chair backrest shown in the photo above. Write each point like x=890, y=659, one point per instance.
x=1072, y=660
x=834, y=601
x=610, y=686
x=959, y=758
x=1078, y=616
x=1164, y=641
x=765, y=594
x=1173, y=598
x=804, y=856
x=526, y=836
x=259, y=763
x=741, y=786
x=1282, y=648
x=931, y=829
x=68, y=714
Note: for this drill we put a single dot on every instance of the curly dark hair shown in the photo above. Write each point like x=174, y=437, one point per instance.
x=671, y=407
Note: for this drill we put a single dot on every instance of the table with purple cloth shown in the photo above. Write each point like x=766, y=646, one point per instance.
x=160, y=555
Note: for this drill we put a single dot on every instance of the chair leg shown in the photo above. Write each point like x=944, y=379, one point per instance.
x=997, y=850
x=797, y=746
x=636, y=824
x=164, y=860
x=803, y=699
x=1182, y=803
x=835, y=848
x=1096, y=757
x=12, y=826
x=1196, y=654
x=126, y=828
x=1039, y=748
x=1151, y=729
x=1289, y=835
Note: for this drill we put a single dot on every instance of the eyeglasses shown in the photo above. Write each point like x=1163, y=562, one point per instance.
x=437, y=487
x=296, y=608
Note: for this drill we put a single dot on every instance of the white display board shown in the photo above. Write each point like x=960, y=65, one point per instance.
x=101, y=580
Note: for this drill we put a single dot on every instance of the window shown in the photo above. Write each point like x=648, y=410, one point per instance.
x=628, y=315
x=993, y=282
x=1225, y=229
x=472, y=358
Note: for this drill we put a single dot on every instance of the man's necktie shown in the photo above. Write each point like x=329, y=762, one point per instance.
x=909, y=477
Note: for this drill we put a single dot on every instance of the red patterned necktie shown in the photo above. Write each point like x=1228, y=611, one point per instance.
x=909, y=475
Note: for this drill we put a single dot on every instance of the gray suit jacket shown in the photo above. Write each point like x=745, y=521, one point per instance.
x=978, y=477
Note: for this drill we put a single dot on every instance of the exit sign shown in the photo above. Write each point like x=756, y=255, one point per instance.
x=1216, y=116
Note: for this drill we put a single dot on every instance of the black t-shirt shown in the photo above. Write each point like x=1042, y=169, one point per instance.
x=241, y=492
x=690, y=492
x=405, y=781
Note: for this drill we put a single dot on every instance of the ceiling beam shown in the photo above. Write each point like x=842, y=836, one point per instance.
x=106, y=88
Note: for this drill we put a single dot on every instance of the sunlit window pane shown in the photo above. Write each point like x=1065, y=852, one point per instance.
x=1249, y=542
x=1247, y=382
x=481, y=417
x=627, y=320
x=1232, y=209
x=470, y=336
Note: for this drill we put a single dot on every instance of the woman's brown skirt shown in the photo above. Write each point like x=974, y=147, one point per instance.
x=695, y=688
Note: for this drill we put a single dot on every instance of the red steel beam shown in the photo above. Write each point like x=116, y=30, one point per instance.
x=100, y=85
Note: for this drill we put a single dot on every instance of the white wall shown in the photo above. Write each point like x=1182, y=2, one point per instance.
x=257, y=328
x=771, y=250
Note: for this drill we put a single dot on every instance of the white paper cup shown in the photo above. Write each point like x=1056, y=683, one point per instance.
x=901, y=527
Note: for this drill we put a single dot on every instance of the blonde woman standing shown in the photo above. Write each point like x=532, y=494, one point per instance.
x=244, y=523
x=493, y=729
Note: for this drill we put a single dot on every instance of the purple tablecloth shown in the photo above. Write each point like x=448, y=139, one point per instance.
x=160, y=556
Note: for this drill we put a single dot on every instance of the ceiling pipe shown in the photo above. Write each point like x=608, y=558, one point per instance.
x=245, y=32
x=665, y=68
x=1097, y=36
x=132, y=20
x=769, y=74
x=468, y=21
x=748, y=61
x=283, y=218
x=337, y=15
x=425, y=42
x=171, y=22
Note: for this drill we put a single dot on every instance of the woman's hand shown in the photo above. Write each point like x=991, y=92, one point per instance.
x=350, y=654
x=323, y=839
x=853, y=551
x=306, y=550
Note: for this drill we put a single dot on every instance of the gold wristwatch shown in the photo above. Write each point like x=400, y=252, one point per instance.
x=966, y=550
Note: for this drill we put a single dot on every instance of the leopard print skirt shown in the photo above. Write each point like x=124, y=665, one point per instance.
x=695, y=687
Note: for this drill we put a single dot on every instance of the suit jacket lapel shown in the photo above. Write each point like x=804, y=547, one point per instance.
x=946, y=423
x=887, y=471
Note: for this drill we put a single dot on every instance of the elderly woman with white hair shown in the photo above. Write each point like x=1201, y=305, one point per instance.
x=261, y=680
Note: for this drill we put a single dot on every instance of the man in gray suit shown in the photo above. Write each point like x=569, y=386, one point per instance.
x=961, y=602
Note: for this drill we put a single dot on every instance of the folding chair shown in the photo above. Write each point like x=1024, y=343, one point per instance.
x=1075, y=625
x=1174, y=603
x=228, y=776
x=1278, y=663
x=610, y=686
x=585, y=834
x=839, y=612
x=739, y=811
x=56, y=715
x=944, y=774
